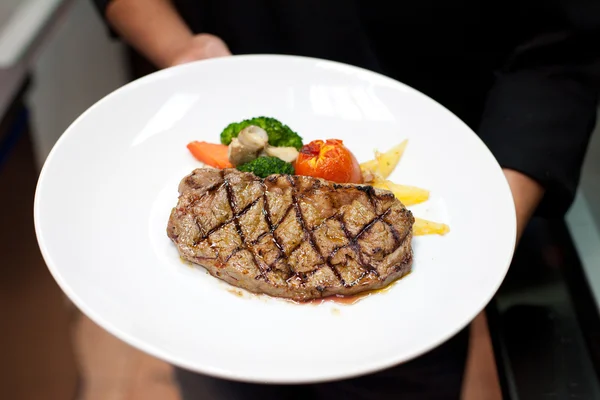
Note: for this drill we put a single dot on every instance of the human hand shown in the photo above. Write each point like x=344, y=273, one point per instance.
x=200, y=47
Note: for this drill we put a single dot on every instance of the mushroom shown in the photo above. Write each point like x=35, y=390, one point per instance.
x=248, y=145
x=287, y=154
x=368, y=176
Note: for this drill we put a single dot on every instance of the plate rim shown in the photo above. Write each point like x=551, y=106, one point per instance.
x=346, y=373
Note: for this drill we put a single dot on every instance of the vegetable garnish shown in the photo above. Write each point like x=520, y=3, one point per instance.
x=424, y=227
x=329, y=160
x=280, y=135
x=408, y=195
x=264, y=146
x=212, y=154
x=384, y=163
x=265, y=166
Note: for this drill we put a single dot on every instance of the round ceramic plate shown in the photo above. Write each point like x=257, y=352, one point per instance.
x=107, y=188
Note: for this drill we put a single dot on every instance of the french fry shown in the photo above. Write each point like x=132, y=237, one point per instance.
x=424, y=227
x=384, y=163
x=408, y=195
x=379, y=183
x=371, y=166
x=387, y=161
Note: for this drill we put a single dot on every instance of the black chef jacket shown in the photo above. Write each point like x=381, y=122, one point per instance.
x=524, y=74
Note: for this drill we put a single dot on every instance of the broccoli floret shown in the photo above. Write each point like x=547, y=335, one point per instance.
x=280, y=135
x=265, y=166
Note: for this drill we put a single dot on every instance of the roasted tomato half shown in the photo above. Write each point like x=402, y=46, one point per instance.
x=330, y=160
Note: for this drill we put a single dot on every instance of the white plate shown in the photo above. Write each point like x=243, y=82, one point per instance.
x=107, y=188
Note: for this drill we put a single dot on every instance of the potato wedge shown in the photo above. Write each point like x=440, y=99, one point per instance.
x=387, y=161
x=408, y=195
x=371, y=165
x=424, y=227
x=379, y=183
x=384, y=163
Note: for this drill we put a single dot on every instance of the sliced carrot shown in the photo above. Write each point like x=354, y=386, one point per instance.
x=212, y=154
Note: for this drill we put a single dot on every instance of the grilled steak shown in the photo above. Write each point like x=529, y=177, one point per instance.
x=296, y=237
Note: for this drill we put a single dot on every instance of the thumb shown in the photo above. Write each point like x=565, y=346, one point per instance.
x=216, y=48
x=202, y=47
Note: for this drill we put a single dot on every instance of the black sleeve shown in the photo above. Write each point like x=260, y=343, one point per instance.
x=542, y=108
x=101, y=6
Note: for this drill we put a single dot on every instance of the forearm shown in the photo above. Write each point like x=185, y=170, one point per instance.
x=152, y=27
x=542, y=107
x=527, y=194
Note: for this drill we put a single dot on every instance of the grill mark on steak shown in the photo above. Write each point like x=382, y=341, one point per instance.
x=283, y=216
x=375, y=242
x=397, y=243
x=309, y=234
x=354, y=241
x=233, y=253
x=207, y=192
x=353, y=245
x=370, y=192
x=406, y=259
x=230, y=220
x=272, y=228
x=266, y=209
x=370, y=224
x=210, y=190
x=197, y=241
x=395, y=234
x=238, y=228
x=278, y=243
x=335, y=216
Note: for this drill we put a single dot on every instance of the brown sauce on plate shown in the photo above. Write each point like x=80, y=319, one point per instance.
x=349, y=300
x=337, y=299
